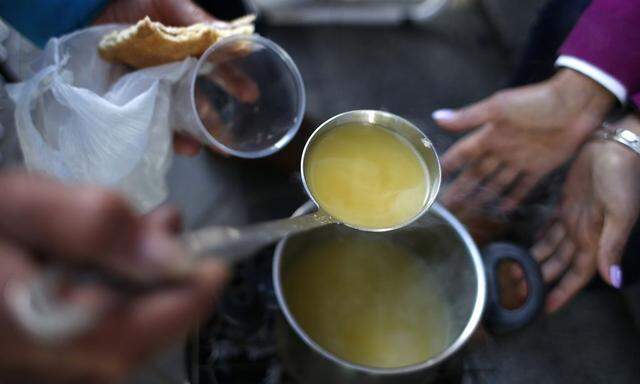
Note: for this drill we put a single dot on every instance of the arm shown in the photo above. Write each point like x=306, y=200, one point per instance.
x=605, y=45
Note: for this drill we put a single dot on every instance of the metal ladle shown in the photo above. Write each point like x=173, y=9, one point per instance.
x=50, y=319
x=231, y=243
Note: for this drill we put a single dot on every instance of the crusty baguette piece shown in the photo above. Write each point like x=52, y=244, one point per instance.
x=150, y=43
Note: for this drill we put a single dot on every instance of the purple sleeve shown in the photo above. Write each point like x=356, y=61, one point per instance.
x=636, y=99
x=608, y=37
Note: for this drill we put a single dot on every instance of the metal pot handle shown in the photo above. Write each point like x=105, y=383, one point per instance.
x=498, y=319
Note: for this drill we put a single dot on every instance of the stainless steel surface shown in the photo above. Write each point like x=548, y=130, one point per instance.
x=445, y=245
x=418, y=140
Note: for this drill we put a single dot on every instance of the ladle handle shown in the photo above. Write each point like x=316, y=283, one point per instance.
x=52, y=319
x=233, y=244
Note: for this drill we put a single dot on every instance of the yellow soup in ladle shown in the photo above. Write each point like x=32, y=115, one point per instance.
x=366, y=176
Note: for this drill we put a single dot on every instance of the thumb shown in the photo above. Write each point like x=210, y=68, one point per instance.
x=466, y=118
x=612, y=242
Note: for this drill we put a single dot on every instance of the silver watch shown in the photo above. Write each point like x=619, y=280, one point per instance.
x=621, y=135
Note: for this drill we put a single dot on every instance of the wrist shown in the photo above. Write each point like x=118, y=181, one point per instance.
x=576, y=88
x=632, y=123
x=586, y=101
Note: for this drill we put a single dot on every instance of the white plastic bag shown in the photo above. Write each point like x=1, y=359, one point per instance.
x=81, y=119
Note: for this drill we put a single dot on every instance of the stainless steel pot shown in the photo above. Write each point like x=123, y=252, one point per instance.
x=468, y=284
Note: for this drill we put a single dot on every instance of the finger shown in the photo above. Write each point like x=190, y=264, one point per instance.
x=234, y=81
x=211, y=119
x=587, y=229
x=544, y=248
x=185, y=145
x=153, y=322
x=466, y=118
x=612, y=242
x=21, y=352
x=465, y=151
x=165, y=218
x=572, y=282
x=164, y=255
x=495, y=186
x=16, y=265
x=518, y=193
x=159, y=245
x=86, y=225
x=73, y=222
x=92, y=297
x=593, y=223
x=468, y=180
x=570, y=213
x=554, y=266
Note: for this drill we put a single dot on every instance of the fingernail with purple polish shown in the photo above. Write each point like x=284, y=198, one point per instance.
x=443, y=114
x=615, y=274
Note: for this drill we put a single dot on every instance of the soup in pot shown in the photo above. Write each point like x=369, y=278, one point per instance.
x=367, y=301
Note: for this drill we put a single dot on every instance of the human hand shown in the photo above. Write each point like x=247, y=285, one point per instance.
x=523, y=134
x=227, y=75
x=169, y=12
x=601, y=202
x=42, y=222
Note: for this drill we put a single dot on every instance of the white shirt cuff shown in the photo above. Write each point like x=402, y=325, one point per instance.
x=596, y=74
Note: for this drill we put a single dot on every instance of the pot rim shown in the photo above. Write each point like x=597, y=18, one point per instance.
x=463, y=337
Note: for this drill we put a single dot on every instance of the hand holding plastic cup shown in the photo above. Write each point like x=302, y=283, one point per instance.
x=245, y=97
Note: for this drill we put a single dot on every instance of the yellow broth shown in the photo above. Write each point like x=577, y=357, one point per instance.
x=366, y=176
x=367, y=301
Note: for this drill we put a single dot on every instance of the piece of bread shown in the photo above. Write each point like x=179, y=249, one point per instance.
x=150, y=43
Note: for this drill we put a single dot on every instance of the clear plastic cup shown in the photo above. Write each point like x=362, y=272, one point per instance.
x=245, y=97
